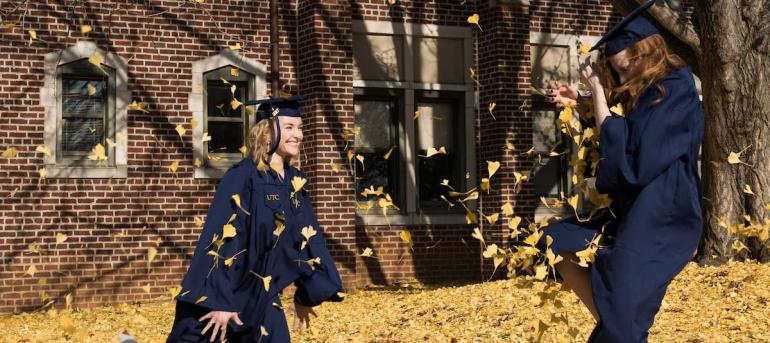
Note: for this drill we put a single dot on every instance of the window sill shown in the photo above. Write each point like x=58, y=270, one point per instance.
x=215, y=169
x=411, y=219
x=86, y=172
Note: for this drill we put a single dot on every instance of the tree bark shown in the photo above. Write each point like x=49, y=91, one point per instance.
x=735, y=74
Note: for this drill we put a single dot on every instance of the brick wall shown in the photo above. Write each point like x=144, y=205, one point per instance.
x=111, y=224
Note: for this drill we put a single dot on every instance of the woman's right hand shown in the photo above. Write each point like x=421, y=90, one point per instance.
x=589, y=74
x=218, y=320
x=562, y=94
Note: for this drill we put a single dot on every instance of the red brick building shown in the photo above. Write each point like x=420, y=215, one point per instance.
x=365, y=64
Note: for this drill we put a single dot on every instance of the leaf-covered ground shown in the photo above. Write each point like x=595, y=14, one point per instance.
x=704, y=304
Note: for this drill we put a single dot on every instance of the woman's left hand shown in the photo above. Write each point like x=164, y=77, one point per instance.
x=589, y=74
x=302, y=316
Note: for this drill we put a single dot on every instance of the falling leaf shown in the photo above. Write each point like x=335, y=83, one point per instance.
x=193, y=124
x=235, y=104
x=60, y=238
x=146, y=288
x=197, y=163
x=205, y=137
x=244, y=150
x=110, y=143
x=96, y=59
x=180, y=130
x=507, y=209
x=10, y=152
x=492, y=167
x=32, y=36
x=174, y=166
x=474, y=19
x=735, y=158
x=584, y=49
x=406, y=236
x=234, y=72
x=477, y=235
x=42, y=173
x=297, y=183
x=367, y=253
x=201, y=299
x=263, y=331
x=198, y=221
x=360, y=159
x=85, y=29
x=541, y=271
x=490, y=108
x=492, y=219
x=236, y=46
x=91, y=89
x=138, y=106
x=387, y=154
x=433, y=151
x=228, y=231
x=265, y=280
x=308, y=231
x=31, y=270
x=417, y=114
x=618, y=109
x=747, y=189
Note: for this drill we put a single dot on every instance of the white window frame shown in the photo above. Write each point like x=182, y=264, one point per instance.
x=197, y=98
x=411, y=214
x=50, y=99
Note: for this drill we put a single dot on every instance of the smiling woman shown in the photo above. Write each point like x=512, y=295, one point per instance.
x=260, y=235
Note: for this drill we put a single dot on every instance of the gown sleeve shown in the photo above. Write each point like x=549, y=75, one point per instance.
x=665, y=138
x=322, y=283
x=209, y=282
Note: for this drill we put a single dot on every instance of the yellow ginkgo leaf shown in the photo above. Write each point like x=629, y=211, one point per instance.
x=97, y=59
x=307, y=232
x=738, y=246
x=235, y=104
x=193, y=124
x=367, y=253
x=490, y=108
x=234, y=71
x=228, y=231
x=244, y=150
x=201, y=299
x=180, y=130
x=263, y=331
x=32, y=36
x=198, y=221
x=236, y=46
x=42, y=173
x=174, y=166
x=492, y=219
x=492, y=167
x=417, y=114
x=541, y=271
x=406, y=236
x=197, y=163
x=735, y=157
x=10, y=152
x=85, y=29
x=297, y=183
x=31, y=270
x=747, y=189
x=618, y=109
x=477, y=235
x=265, y=280
x=360, y=159
x=236, y=198
x=490, y=251
x=507, y=209
x=110, y=143
x=584, y=49
x=98, y=153
x=387, y=154
x=146, y=288
x=205, y=137
x=60, y=238
x=474, y=19
x=138, y=106
x=433, y=151
x=90, y=89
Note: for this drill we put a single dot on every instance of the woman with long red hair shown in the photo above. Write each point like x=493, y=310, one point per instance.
x=649, y=167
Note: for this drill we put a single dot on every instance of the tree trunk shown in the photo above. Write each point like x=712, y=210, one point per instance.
x=735, y=74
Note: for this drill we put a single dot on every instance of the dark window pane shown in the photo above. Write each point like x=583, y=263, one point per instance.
x=219, y=99
x=436, y=127
x=433, y=171
x=376, y=120
x=226, y=137
x=551, y=176
x=80, y=87
x=81, y=134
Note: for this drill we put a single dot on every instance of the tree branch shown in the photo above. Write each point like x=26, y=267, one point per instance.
x=673, y=20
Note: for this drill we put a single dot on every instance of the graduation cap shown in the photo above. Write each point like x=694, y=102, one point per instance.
x=272, y=108
x=632, y=29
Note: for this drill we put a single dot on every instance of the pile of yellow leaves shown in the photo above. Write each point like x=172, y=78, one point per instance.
x=704, y=304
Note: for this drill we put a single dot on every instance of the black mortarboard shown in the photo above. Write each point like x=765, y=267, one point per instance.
x=632, y=29
x=273, y=108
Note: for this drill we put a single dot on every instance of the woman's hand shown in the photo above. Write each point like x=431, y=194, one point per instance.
x=562, y=94
x=302, y=316
x=589, y=74
x=219, y=319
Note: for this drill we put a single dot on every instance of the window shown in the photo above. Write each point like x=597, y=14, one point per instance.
x=210, y=104
x=412, y=95
x=227, y=127
x=86, y=106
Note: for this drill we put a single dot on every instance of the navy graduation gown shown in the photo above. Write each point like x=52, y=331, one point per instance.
x=649, y=167
x=211, y=285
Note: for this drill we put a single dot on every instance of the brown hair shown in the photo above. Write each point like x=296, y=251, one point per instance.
x=258, y=141
x=651, y=62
